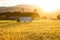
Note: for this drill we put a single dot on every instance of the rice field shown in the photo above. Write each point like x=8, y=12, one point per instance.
x=36, y=30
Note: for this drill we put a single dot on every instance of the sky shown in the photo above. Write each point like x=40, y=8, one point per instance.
x=45, y=4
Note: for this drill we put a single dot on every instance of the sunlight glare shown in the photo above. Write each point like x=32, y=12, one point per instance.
x=46, y=5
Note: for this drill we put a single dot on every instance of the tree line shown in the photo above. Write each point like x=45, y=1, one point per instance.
x=6, y=15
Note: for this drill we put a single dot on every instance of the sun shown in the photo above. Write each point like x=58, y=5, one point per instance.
x=49, y=5
x=50, y=9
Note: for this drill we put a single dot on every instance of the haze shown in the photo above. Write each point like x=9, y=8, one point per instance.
x=46, y=5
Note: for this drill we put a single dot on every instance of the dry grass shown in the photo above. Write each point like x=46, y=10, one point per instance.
x=36, y=30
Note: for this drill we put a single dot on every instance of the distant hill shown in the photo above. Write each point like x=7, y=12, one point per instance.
x=17, y=8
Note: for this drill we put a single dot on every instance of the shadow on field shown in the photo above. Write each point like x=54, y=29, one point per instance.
x=6, y=24
x=10, y=24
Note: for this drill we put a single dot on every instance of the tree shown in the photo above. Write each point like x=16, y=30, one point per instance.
x=35, y=14
x=22, y=10
x=58, y=17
